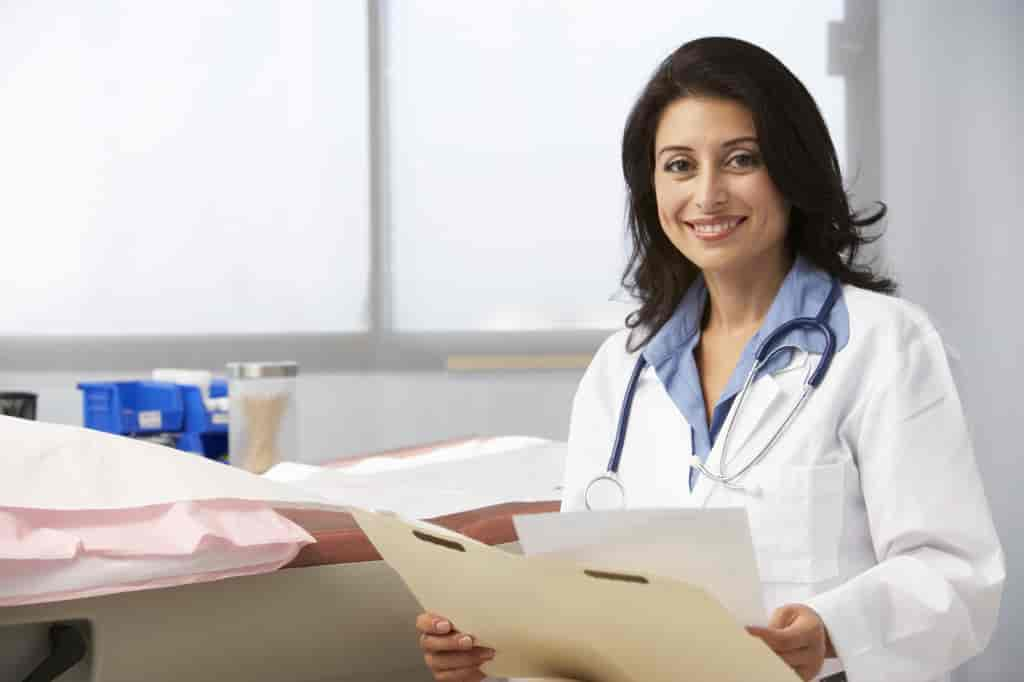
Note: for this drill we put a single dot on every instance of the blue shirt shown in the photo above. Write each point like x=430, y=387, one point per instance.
x=671, y=351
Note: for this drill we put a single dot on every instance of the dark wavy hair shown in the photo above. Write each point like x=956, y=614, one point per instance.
x=798, y=155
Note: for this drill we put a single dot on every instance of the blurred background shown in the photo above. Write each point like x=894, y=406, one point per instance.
x=421, y=202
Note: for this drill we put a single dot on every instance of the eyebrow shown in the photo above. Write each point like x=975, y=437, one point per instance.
x=725, y=145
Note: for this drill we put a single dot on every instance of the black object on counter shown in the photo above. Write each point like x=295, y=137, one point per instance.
x=18, y=405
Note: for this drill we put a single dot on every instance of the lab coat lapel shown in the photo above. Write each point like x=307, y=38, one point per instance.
x=764, y=399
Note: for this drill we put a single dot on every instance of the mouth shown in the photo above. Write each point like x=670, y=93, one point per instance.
x=715, y=229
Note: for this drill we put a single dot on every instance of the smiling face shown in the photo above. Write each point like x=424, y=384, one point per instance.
x=716, y=202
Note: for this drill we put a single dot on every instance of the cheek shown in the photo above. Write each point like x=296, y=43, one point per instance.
x=780, y=217
x=769, y=203
x=669, y=200
x=775, y=216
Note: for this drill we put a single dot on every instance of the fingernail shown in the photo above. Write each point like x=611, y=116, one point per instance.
x=466, y=642
x=442, y=626
x=488, y=655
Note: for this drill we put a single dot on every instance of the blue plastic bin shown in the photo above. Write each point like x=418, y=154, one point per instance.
x=132, y=407
x=219, y=388
x=211, y=445
x=197, y=419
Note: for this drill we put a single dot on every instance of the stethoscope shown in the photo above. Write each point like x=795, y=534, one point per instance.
x=606, y=489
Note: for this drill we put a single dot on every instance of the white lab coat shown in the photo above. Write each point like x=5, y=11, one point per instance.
x=871, y=508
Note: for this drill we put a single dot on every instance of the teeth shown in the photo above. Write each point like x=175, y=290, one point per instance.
x=716, y=228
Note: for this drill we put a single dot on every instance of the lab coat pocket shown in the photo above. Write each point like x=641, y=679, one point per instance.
x=796, y=524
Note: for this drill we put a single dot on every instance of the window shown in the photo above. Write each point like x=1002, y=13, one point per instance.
x=352, y=184
x=505, y=121
x=185, y=168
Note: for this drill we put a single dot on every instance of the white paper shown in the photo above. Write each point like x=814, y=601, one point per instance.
x=52, y=466
x=477, y=447
x=459, y=479
x=289, y=472
x=711, y=548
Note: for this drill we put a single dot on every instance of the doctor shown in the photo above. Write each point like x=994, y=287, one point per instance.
x=874, y=540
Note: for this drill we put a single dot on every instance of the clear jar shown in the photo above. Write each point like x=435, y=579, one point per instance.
x=263, y=429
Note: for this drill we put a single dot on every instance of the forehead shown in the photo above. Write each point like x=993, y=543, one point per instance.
x=703, y=121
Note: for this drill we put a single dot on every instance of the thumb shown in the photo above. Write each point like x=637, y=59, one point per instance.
x=784, y=616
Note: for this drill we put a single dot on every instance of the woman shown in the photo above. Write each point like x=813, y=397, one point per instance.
x=739, y=224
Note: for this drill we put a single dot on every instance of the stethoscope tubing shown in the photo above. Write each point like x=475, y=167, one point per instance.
x=762, y=356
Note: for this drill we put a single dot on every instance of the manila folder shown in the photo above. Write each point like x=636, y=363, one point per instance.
x=551, y=618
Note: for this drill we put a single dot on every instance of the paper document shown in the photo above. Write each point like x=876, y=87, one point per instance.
x=472, y=449
x=711, y=548
x=550, y=618
x=531, y=471
x=58, y=467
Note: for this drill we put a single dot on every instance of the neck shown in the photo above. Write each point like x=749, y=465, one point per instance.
x=740, y=298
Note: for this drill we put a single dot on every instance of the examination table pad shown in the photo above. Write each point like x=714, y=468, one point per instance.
x=336, y=612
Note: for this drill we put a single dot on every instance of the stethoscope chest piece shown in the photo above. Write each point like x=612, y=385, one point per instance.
x=605, y=492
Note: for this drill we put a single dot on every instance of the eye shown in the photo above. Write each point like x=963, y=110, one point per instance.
x=744, y=160
x=678, y=166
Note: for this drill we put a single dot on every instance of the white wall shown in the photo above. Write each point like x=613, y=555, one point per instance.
x=951, y=158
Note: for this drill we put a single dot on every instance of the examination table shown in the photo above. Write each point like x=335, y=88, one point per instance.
x=336, y=613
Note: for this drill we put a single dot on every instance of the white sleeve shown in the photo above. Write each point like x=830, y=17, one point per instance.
x=595, y=411
x=932, y=600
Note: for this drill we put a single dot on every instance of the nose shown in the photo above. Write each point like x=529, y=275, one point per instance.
x=711, y=191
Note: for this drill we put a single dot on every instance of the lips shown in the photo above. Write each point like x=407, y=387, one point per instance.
x=714, y=229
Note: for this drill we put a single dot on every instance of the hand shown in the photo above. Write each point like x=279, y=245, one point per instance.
x=449, y=654
x=798, y=635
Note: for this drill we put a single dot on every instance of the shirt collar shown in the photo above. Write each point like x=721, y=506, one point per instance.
x=802, y=294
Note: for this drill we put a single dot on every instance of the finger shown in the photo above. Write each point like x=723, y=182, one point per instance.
x=433, y=624
x=777, y=640
x=807, y=664
x=806, y=672
x=783, y=616
x=458, y=660
x=799, y=657
x=468, y=675
x=456, y=642
x=802, y=629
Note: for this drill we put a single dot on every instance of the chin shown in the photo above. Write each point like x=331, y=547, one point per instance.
x=715, y=262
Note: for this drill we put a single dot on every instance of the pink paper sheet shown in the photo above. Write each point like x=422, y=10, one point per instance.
x=48, y=555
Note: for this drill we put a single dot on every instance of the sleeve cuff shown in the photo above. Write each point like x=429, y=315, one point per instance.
x=846, y=629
